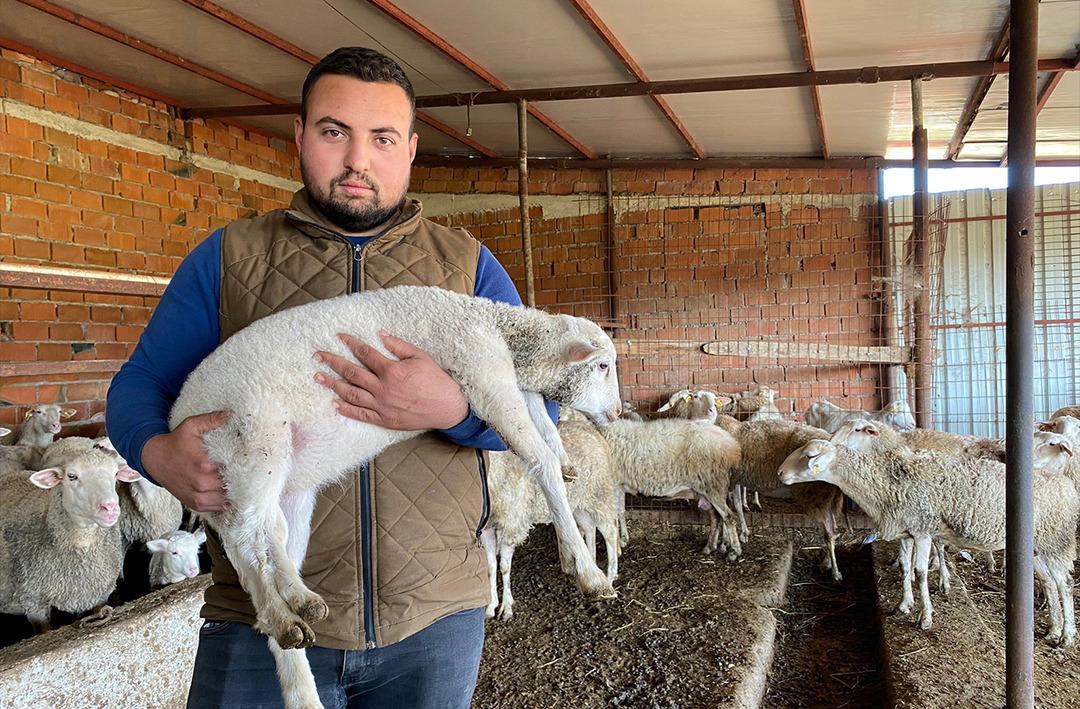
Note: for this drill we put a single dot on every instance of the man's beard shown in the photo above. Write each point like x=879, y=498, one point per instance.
x=351, y=215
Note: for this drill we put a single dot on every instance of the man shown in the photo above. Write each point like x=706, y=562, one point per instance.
x=393, y=549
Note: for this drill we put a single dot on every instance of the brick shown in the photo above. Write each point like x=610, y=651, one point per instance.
x=37, y=311
x=54, y=352
x=27, y=248
x=103, y=315
x=17, y=352
x=72, y=313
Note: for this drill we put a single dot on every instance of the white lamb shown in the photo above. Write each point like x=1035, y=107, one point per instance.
x=175, y=557
x=517, y=504
x=285, y=441
x=1068, y=426
x=665, y=457
x=14, y=458
x=60, y=546
x=41, y=424
x=755, y=404
x=952, y=499
x=829, y=417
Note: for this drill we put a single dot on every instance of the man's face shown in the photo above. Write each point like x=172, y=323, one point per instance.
x=356, y=150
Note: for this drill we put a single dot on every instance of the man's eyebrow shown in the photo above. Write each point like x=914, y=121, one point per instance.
x=333, y=121
x=386, y=129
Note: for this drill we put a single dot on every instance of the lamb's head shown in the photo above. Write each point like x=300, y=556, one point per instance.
x=87, y=487
x=765, y=393
x=46, y=418
x=1068, y=426
x=898, y=415
x=178, y=553
x=582, y=370
x=1052, y=452
x=859, y=435
x=812, y=462
x=700, y=406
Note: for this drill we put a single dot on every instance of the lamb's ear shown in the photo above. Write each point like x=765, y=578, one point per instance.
x=127, y=474
x=872, y=430
x=200, y=535
x=158, y=545
x=723, y=400
x=4, y=431
x=579, y=350
x=1045, y=426
x=1067, y=446
x=67, y=413
x=99, y=417
x=48, y=478
x=28, y=415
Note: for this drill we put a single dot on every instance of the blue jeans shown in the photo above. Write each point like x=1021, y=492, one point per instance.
x=436, y=668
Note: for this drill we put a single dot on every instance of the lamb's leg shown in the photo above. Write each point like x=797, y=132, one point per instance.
x=40, y=618
x=757, y=501
x=718, y=500
x=904, y=558
x=740, y=501
x=943, y=570
x=711, y=541
x=990, y=561
x=1053, y=601
x=829, y=563
x=922, y=564
x=538, y=413
x=298, y=689
x=1061, y=573
x=506, y=558
x=609, y=530
x=620, y=503
x=488, y=542
x=588, y=530
x=291, y=523
x=497, y=400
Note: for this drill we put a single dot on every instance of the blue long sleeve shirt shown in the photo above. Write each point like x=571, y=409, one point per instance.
x=184, y=329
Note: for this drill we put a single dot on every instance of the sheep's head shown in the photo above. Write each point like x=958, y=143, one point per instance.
x=179, y=552
x=88, y=487
x=587, y=378
x=1068, y=426
x=898, y=415
x=858, y=435
x=47, y=417
x=765, y=392
x=683, y=397
x=810, y=463
x=1052, y=451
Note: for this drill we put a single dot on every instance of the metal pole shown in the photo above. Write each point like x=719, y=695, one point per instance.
x=890, y=385
x=924, y=345
x=1019, y=370
x=523, y=200
x=613, y=299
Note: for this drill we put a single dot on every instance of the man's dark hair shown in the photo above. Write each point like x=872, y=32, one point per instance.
x=363, y=64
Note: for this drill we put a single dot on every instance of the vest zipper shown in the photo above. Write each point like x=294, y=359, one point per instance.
x=365, y=503
x=486, y=509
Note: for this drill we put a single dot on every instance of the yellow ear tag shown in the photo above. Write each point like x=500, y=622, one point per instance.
x=687, y=398
x=815, y=469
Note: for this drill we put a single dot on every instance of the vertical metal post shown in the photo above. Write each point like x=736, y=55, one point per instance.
x=1019, y=340
x=924, y=345
x=890, y=384
x=523, y=199
x=609, y=261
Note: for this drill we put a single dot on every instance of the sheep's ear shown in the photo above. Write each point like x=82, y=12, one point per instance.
x=200, y=535
x=4, y=431
x=1045, y=426
x=127, y=474
x=723, y=400
x=158, y=545
x=872, y=430
x=579, y=351
x=48, y=478
x=665, y=407
x=99, y=417
x=28, y=415
x=67, y=413
x=1067, y=446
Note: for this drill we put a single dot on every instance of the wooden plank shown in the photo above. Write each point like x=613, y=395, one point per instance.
x=23, y=275
x=28, y=369
x=819, y=351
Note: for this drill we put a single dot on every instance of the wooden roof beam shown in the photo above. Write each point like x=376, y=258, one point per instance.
x=998, y=52
x=808, y=58
x=307, y=57
x=613, y=43
x=451, y=52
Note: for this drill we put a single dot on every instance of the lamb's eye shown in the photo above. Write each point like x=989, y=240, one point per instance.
x=72, y=476
x=603, y=366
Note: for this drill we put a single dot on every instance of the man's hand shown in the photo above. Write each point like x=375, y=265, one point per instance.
x=410, y=394
x=178, y=462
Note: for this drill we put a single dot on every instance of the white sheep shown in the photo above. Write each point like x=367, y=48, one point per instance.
x=60, y=546
x=953, y=499
x=829, y=417
x=40, y=425
x=517, y=504
x=1073, y=411
x=285, y=441
x=665, y=457
x=757, y=403
x=765, y=444
x=1068, y=426
x=175, y=557
x=15, y=457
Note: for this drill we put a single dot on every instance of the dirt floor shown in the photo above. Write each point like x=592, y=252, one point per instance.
x=681, y=634
x=960, y=662
x=828, y=647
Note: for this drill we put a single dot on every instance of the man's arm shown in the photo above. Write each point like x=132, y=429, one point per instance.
x=183, y=330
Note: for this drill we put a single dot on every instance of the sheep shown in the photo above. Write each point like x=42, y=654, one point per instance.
x=1073, y=411
x=953, y=499
x=507, y=360
x=40, y=424
x=664, y=457
x=828, y=416
x=517, y=505
x=758, y=403
x=765, y=444
x=13, y=457
x=60, y=544
x=1068, y=426
x=175, y=557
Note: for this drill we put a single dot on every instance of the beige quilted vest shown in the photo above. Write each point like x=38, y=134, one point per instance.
x=425, y=497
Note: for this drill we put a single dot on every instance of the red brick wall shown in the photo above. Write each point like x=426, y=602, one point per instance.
x=70, y=201
x=793, y=263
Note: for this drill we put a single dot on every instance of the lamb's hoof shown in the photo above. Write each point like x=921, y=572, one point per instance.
x=1068, y=640
x=732, y=555
x=296, y=636
x=903, y=609
x=707, y=551
x=926, y=622
x=1054, y=638
x=837, y=577
x=489, y=612
x=506, y=612
x=744, y=537
x=314, y=610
